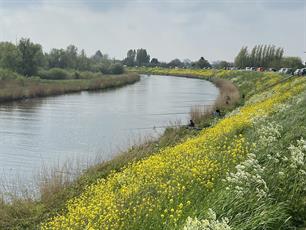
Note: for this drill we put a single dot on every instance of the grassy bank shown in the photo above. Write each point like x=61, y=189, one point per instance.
x=233, y=174
x=16, y=87
x=226, y=169
x=56, y=189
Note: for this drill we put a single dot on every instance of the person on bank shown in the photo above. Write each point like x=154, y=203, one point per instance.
x=217, y=113
x=191, y=124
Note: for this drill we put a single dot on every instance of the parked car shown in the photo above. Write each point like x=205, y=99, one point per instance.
x=260, y=69
x=297, y=72
x=289, y=71
x=272, y=69
x=302, y=72
x=285, y=70
x=250, y=68
x=281, y=70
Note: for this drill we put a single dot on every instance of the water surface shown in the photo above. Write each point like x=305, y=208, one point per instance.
x=46, y=131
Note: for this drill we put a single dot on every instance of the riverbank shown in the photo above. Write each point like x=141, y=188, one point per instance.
x=167, y=183
x=25, y=88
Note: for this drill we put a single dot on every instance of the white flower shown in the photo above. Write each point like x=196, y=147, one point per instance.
x=247, y=177
x=297, y=156
x=281, y=173
x=211, y=223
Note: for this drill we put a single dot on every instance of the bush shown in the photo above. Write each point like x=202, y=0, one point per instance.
x=111, y=69
x=103, y=68
x=54, y=74
x=116, y=69
x=89, y=75
x=6, y=74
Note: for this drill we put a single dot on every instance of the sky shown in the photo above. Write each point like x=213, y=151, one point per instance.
x=168, y=29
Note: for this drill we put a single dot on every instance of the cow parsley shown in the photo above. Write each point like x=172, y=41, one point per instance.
x=211, y=223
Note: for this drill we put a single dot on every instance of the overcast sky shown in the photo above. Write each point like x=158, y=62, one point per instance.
x=214, y=29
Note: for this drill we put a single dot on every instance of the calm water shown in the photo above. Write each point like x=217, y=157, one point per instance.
x=46, y=131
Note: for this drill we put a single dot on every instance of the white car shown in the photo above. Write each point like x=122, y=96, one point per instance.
x=250, y=68
x=282, y=70
x=285, y=70
x=297, y=72
x=302, y=72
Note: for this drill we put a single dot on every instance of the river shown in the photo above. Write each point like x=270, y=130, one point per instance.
x=44, y=132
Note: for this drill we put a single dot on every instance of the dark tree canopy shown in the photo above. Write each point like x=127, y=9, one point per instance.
x=31, y=57
x=201, y=63
x=130, y=58
x=222, y=64
x=98, y=56
x=154, y=61
x=176, y=63
x=142, y=57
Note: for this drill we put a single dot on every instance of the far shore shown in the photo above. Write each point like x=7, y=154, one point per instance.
x=20, y=89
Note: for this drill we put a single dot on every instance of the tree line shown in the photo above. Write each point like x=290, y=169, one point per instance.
x=266, y=56
x=140, y=57
x=27, y=58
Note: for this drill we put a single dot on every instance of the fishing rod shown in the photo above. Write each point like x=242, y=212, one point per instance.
x=155, y=127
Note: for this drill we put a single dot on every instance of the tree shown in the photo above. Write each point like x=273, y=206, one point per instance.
x=116, y=68
x=201, y=63
x=292, y=62
x=175, y=63
x=56, y=58
x=71, y=56
x=10, y=57
x=97, y=57
x=83, y=62
x=31, y=57
x=222, y=64
x=70, y=59
x=241, y=60
x=142, y=57
x=154, y=61
x=130, y=58
x=187, y=63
